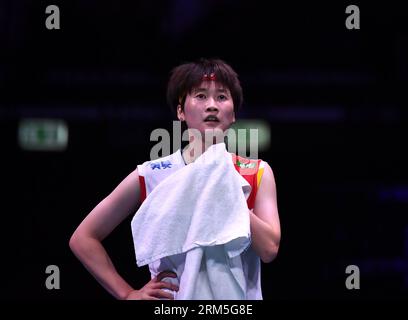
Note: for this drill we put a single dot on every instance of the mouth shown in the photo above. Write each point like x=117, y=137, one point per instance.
x=211, y=119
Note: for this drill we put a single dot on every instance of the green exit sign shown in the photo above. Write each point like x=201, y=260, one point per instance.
x=43, y=134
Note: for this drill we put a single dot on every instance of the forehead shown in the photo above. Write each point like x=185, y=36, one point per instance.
x=210, y=85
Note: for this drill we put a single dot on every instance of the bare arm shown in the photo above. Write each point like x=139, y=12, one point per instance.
x=86, y=242
x=264, y=220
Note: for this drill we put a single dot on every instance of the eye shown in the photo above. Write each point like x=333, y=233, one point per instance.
x=222, y=97
x=201, y=96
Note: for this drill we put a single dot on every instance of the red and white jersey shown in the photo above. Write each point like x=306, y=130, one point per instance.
x=151, y=173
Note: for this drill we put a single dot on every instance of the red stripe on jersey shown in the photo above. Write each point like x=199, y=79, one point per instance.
x=142, y=188
x=249, y=174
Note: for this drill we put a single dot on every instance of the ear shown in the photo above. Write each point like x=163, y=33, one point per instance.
x=180, y=113
x=233, y=117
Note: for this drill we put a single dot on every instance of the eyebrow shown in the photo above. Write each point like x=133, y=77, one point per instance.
x=204, y=89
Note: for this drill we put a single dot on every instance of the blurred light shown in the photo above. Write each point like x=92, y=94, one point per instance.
x=394, y=194
x=244, y=133
x=42, y=134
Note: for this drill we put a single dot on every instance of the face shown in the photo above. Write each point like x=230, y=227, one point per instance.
x=209, y=106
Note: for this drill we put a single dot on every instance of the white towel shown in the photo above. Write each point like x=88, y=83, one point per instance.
x=196, y=223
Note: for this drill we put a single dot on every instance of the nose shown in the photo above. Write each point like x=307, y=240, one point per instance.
x=211, y=105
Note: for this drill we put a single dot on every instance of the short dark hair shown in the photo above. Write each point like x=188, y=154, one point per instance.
x=187, y=76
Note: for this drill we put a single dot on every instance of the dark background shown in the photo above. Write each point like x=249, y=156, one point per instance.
x=335, y=100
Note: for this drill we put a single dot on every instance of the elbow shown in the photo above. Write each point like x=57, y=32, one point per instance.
x=76, y=241
x=81, y=240
x=270, y=253
x=73, y=242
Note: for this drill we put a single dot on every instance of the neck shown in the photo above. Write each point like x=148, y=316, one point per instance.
x=195, y=149
x=199, y=143
x=192, y=151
